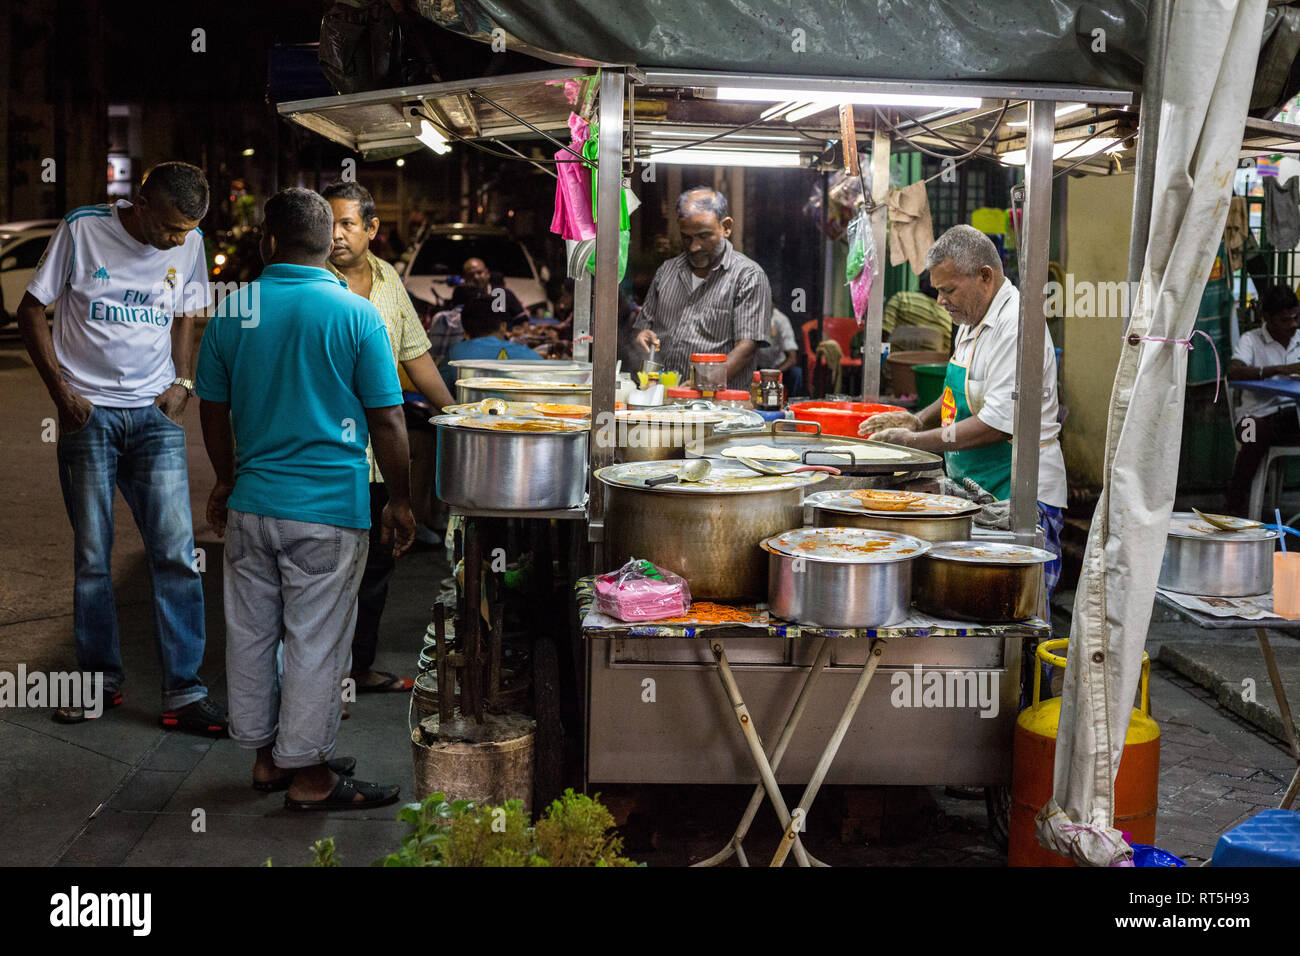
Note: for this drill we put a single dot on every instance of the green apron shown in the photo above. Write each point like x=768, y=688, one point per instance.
x=989, y=466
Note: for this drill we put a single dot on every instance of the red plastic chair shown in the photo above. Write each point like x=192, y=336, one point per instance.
x=842, y=329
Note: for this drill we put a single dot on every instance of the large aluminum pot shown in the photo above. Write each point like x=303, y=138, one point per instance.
x=503, y=463
x=709, y=531
x=525, y=371
x=512, y=390
x=1216, y=563
x=841, y=577
x=839, y=509
x=660, y=435
x=987, y=581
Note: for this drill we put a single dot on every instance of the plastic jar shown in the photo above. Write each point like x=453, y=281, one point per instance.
x=681, y=396
x=732, y=398
x=709, y=371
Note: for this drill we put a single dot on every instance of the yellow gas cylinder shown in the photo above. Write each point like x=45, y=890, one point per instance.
x=1033, y=763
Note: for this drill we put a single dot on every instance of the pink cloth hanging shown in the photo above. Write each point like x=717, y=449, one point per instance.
x=572, y=219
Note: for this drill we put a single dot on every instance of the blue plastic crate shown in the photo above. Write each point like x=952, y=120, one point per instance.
x=1270, y=838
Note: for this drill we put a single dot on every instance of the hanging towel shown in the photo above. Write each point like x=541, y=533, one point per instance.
x=829, y=350
x=572, y=219
x=1282, y=212
x=1236, y=230
x=911, y=233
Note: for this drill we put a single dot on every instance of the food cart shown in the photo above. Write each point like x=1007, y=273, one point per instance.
x=627, y=739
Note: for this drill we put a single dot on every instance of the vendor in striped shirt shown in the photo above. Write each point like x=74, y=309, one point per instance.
x=708, y=299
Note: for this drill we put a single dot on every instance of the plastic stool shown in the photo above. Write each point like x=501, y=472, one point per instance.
x=1270, y=838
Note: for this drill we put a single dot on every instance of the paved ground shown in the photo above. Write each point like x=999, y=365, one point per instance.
x=121, y=791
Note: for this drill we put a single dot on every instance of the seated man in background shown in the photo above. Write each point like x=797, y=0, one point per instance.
x=919, y=309
x=1263, y=420
x=478, y=278
x=484, y=337
x=782, y=353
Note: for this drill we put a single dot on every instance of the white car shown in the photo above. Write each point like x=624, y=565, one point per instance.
x=443, y=251
x=21, y=246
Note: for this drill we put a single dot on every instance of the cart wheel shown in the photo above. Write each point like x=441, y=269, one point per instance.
x=548, y=755
x=997, y=803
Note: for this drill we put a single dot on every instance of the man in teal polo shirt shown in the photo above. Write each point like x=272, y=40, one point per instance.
x=297, y=377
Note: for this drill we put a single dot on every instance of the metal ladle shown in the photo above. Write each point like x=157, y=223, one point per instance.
x=766, y=468
x=1229, y=523
x=693, y=470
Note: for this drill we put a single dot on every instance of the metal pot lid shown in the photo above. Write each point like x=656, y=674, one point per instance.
x=1187, y=524
x=989, y=552
x=513, y=424
x=929, y=506
x=721, y=479
x=506, y=365
x=847, y=545
x=522, y=385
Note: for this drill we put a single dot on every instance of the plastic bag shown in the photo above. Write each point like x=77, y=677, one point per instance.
x=860, y=269
x=638, y=591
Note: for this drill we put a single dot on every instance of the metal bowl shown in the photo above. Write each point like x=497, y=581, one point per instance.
x=511, y=390
x=524, y=371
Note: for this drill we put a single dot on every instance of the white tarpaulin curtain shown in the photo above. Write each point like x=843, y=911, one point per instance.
x=1209, y=69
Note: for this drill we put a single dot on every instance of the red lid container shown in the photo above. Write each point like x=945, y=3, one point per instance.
x=682, y=393
x=838, y=418
x=731, y=395
x=708, y=357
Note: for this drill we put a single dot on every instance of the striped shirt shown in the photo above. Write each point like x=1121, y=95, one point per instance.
x=919, y=310
x=733, y=302
x=406, y=333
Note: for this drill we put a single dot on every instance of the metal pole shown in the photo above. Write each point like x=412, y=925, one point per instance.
x=604, y=319
x=880, y=146
x=1153, y=84
x=1028, y=407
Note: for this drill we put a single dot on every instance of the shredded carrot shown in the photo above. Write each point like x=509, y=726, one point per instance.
x=706, y=612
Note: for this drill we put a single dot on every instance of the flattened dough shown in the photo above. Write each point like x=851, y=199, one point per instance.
x=868, y=452
x=760, y=453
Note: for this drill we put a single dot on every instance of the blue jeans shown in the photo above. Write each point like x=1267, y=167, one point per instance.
x=141, y=452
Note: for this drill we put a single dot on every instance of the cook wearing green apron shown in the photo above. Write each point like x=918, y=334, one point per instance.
x=990, y=466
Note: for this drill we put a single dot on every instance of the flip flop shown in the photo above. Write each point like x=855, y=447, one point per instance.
x=78, y=715
x=343, y=766
x=391, y=684
x=341, y=797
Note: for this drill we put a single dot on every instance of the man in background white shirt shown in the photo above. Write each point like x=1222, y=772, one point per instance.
x=1263, y=421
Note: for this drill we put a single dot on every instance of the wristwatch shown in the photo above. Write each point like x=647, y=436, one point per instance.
x=185, y=383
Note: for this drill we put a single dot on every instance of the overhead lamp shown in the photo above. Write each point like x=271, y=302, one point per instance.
x=726, y=157
x=835, y=97
x=1062, y=109
x=807, y=110
x=248, y=152
x=401, y=162
x=432, y=137
x=1070, y=148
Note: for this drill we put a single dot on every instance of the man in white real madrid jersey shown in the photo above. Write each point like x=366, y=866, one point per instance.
x=129, y=279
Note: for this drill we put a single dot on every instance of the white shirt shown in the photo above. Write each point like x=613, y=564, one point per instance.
x=1257, y=348
x=116, y=301
x=782, y=341
x=991, y=381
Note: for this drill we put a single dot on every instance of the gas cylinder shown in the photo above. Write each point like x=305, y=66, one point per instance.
x=1033, y=763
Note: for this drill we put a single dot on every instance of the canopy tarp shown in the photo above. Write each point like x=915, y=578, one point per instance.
x=1051, y=41
x=1209, y=68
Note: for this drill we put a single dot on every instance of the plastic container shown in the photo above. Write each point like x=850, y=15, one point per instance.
x=901, y=364
x=929, y=383
x=709, y=371
x=1286, y=584
x=733, y=398
x=681, y=396
x=1144, y=855
x=838, y=418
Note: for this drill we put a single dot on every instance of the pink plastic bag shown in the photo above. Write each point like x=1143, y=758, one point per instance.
x=572, y=218
x=638, y=591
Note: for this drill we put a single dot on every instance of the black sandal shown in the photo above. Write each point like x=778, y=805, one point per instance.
x=343, y=766
x=341, y=797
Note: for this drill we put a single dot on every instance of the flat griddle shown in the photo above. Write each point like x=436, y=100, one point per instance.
x=809, y=445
